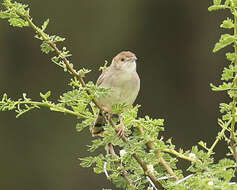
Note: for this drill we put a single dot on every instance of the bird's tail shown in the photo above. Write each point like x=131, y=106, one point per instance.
x=98, y=125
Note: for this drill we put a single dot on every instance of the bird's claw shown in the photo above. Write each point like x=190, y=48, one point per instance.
x=121, y=131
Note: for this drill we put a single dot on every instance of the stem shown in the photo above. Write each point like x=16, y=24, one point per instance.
x=174, y=152
x=147, y=172
x=138, y=159
x=58, y=52
x=54, y=107
x=162, y=161
x=124, y=173
x=218, y=138
x=150, y=145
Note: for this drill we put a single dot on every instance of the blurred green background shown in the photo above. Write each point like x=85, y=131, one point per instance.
x=173, y=41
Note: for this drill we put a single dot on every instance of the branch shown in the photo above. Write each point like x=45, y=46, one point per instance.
x=174, y=152
x=124, y=173
x=218, y=138
x=147, y=172
x=58, y=52
x=138, y=159
x=150, y=145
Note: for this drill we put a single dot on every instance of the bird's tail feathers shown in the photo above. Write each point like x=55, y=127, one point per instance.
x=98, y=125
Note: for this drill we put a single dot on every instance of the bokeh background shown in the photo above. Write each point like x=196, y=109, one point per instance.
x=173, y=41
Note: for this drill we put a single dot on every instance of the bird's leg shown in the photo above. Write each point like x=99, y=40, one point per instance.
x=122, y=127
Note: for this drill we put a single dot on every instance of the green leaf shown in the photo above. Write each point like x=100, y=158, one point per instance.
x=44, y=26
x=102, y=68
x=228, y=73
x=234, y=3
x=82, y=72
x=224, y=107
x=203, y=144
x=56, y=39
x=4, y=15
x=217, y=7
x=46, y=48
x=45, y=96
x=223, y=87
x=227, y=2
x=216, y=2
x=231, y=56
x=225, y=40
x=87, y=162
x=18, y=22
x=228, y=23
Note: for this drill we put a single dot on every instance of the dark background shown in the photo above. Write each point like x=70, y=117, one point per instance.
x=173, y=41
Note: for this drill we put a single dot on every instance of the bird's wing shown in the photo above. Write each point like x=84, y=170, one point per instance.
x=101, y=77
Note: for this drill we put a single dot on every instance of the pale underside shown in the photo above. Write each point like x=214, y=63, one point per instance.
x=124, y=87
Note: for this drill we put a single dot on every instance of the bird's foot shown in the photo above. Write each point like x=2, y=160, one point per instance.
x=121, y=131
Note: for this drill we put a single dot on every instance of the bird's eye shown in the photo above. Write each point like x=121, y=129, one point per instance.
x=122, y=59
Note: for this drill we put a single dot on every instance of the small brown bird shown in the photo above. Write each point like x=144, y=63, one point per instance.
x=122, y=78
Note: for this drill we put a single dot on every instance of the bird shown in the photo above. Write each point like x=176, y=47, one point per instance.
x=124, y=83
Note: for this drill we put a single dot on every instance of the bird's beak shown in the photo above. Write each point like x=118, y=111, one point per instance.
x=134, y=58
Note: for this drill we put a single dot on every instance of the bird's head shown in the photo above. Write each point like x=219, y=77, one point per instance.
x=125, y=60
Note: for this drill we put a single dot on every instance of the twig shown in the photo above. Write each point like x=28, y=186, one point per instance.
x=184, y=179
x=105, y=170
x=58, y=52
x=162, y=161
x=124, y=173
x=165, y=177
x=54, y=107
x=139, y=160
x=224, y=128
x=147, y=172
x=174, y=152
x=232, y=144
x=152, y=184
x=150, y=145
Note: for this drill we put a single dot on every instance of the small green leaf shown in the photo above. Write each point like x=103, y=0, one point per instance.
x=231, y=57
x=18, y=22
x=44, y=26
x=102, y=68
x=217, y=7
x=203, y=144
x=46, y=48
x=82, y=72
x=223, y=87
x=228, y=73
x=5, y=15
x=216, y=2
x=45, y=96
x=225, y=40
x=228, y=23
x=227, y=2
x=234, y=3
x=87, y=162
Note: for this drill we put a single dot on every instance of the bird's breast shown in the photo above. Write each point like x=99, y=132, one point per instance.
x=124, y=88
